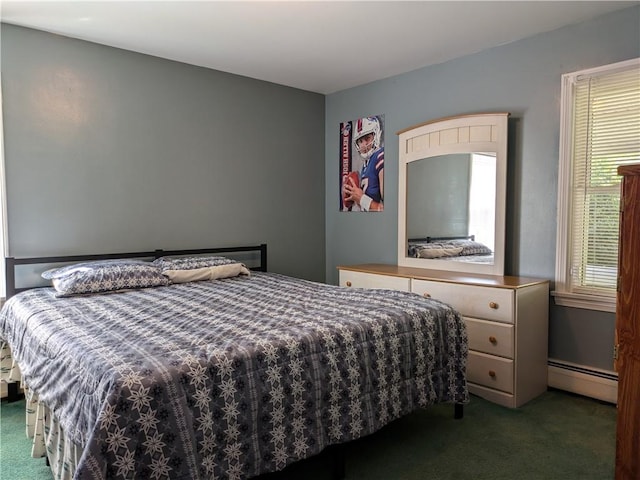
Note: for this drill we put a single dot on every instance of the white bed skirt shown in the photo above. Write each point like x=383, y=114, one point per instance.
x=47, y=437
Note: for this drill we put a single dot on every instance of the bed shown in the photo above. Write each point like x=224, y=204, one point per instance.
x=229, y=377
x=459, y=249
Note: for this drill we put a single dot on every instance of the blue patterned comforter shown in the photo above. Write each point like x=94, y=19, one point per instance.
x=231, y=378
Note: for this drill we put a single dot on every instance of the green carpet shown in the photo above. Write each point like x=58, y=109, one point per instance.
x=15, y=448
x=556, y=436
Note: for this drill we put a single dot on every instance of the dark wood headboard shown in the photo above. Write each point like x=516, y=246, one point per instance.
x=11, y=262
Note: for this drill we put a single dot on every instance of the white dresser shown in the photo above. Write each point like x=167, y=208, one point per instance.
x=506, y=318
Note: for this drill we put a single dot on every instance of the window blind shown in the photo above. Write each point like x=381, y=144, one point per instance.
x=606, y=134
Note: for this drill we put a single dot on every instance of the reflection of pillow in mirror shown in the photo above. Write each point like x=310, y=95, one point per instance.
x=469, y=247
x=433, y=245
x=444, y=251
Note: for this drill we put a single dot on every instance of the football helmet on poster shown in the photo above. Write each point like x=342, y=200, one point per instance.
x=363, y=127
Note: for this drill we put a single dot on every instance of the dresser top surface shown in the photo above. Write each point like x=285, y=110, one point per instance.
x=444, y=276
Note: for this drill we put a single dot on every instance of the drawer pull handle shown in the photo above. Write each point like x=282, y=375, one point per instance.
x=348, y=284
x=493, y=339
x=426, y=295
x=493, y=305
x=492, y=374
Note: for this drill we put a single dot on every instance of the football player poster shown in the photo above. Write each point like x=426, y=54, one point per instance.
x=362, y=165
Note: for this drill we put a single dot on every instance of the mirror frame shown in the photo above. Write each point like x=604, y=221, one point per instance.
x=482, y=132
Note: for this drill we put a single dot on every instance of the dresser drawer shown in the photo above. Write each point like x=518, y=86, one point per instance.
x=490, y=337
x=371, y=280
x=490, y=371
x=471, y=300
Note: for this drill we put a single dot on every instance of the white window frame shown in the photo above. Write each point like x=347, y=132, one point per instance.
x=564, y=292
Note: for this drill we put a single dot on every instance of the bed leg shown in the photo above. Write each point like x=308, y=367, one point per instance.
x=458, y=411
x=338, y=469
x=13, y=392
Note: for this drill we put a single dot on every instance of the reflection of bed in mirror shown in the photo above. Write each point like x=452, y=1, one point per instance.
x=461, y=249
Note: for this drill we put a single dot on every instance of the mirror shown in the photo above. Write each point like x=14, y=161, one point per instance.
x=452, y=194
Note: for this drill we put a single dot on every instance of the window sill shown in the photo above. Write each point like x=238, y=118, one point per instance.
x=588, y=302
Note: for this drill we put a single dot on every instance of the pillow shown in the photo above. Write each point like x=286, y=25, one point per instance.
x=438, y=252
x=189, y=263
x=416, y=249
x=104, y=276
x=206, y=273
x=470, y=247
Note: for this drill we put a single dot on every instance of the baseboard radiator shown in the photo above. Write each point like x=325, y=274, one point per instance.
x=583, y=380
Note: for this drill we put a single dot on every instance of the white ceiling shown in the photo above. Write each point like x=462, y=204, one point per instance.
x=322, y=47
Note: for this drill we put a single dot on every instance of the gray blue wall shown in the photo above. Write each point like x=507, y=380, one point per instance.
x=522, y=78
x=438, y=196
x=108, y=150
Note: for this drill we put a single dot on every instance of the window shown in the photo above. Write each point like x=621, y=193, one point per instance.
x=600, y=130
x=482, y=207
